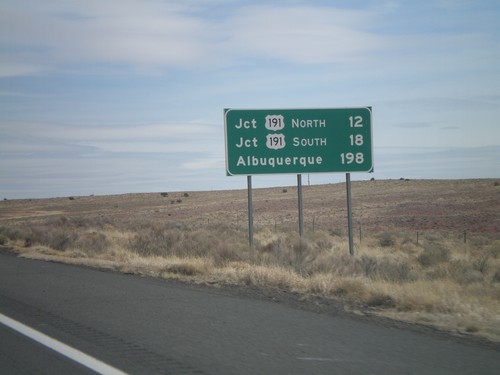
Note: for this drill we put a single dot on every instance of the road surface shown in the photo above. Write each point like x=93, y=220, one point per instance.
x=149, y=326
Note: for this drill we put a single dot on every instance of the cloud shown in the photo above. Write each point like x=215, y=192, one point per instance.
x=302, y=34
x=50, y=139
x=204, y=164
x=135, y=32
x=19, y=69
x=413, y=125
x=119, y=132
x=154, y=35
x=435, y=162
x=149, y=34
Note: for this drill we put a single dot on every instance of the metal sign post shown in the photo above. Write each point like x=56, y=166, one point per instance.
x=250, y=215
x=301, y=215
x=349, y=212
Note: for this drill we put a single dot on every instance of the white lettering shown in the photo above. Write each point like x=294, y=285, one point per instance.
x=247, y=142
x=246, y=124
x=298, y=123
x=253, y=161
x=308, y=142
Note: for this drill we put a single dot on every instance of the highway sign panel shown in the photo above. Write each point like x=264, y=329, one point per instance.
x=272, y=141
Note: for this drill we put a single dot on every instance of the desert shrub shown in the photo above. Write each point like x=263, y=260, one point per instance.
x=462, y=271
x=176, y=225
x=351, y=289
x=380, y=300
x=223, y=254
x=84, y=222
x=321, y=241
x=54, y=233
x=433, y=237
x=61, y=240
x=155, y=241
x=184, y=268
x=337, y=232
x=387, y=239
x=301, y=249
x=397, y=271
x=335, y=263
x=205, y=243
x=171, y=240
x=493, y=249
x=438, y=272
x=469, y=276
x=368, y=265
x=478, y=241
x=290, y=251
x=3, y=240
x=13, y=234
x=482, y=263
x=385, y=268
x=407, y=240
x=60, y=234
x=496, y=277
x=92, y=243
x=433, y=254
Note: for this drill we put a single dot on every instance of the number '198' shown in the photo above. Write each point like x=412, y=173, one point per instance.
x=349, y=158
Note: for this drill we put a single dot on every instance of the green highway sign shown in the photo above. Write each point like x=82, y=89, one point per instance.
x=269, y=141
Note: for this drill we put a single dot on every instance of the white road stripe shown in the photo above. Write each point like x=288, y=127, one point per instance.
x=67, y=351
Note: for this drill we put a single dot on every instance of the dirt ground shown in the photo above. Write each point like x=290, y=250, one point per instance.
x=410, y=205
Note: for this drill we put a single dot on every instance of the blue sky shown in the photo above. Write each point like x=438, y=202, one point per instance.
x=107, y=97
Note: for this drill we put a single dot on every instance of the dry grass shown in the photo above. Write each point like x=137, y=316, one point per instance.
x=441, y=281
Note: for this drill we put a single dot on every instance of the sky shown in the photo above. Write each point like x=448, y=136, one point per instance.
x=109, y=97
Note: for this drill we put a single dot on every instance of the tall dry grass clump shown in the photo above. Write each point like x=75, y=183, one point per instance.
x=61, y=234
x=182, y=241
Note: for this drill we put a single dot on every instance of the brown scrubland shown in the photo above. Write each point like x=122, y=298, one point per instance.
x=426, y=251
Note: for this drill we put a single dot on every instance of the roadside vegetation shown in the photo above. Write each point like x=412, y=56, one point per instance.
x=441, y=281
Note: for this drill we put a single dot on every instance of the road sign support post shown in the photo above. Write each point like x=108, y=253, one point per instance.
x=349, y=212
x=301, y=213
x=250, y=215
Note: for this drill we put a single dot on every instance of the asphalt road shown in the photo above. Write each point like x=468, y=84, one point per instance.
x=149, y=326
